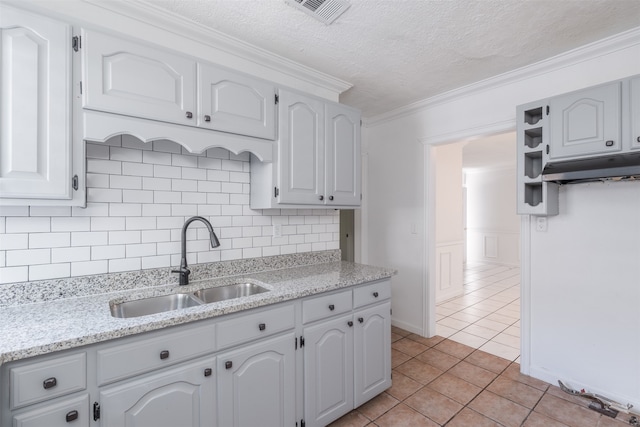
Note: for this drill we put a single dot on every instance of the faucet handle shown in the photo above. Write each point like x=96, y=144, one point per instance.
x=184, y=275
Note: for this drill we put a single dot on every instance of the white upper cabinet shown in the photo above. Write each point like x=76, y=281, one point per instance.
x=317, y=164
x=343, y=160
x=130, y=78
x=35, y=107
x=586, y=122
x=634, y=91
x=231, y=102
x=301, y=149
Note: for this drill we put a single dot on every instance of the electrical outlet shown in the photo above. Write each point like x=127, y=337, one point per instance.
x=277, y=230
x=541, y=223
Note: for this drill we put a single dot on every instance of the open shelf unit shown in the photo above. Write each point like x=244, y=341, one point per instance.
x=535, y=197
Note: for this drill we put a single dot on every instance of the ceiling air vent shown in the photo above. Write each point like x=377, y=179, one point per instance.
x=326, y=11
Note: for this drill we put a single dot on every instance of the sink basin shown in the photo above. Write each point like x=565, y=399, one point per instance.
x=143, y=307
x=222, y=293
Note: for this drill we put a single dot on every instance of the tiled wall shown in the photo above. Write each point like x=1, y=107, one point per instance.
x=139, y=196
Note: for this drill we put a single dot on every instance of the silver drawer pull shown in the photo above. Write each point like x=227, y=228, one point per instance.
x=71, y=416
x=49, y=383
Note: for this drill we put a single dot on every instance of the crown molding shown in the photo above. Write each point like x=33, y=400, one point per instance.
x=587, y=52
x=145, y=12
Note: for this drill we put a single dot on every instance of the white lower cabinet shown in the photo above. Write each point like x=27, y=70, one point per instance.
x=307, y=361
x=328, y=371
x=180, y=396
x=256, y=384
x=372, y=352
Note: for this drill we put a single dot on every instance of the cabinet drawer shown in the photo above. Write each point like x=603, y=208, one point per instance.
x=141, y=355
x=252, y=326
x=72, y=412
x=35, y=382
x=326, y=306
x=369, y=294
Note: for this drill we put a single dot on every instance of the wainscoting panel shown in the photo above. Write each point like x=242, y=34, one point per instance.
x=494, y=246
x=449, y=275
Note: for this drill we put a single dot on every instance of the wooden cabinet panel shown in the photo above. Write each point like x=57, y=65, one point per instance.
x=134, y=79
x=328, y=371
x=372, y=348
x=35, y=106
x=342, y=147
x=231, y=102
x=182, y=396
x=586, y=122
x=256, y=384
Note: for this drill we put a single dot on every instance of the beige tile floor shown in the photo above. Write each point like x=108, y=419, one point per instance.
x=487, y=315
x=440, y=382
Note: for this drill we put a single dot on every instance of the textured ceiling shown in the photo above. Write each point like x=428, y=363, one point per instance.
x=396, y=52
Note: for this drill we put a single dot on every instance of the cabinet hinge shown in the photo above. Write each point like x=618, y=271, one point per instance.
x=276, y=192
x=301, y=341
x=277, y=99
x=302, y=424
x=74, y=182
x=76, y=43
x=96, y=411
x=80, y=87
x=547, y=148
x=548, y=110
x=391, y=311
x=296, y=343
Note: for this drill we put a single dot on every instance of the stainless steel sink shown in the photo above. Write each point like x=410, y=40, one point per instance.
x=153, y=305
x=222, y=293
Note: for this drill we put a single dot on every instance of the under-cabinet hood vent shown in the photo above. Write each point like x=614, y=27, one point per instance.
x=325, y=11
x=619, y=167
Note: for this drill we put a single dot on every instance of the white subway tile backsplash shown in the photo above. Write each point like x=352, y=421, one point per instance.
x=91, y=238
x=49, y=240
x=160, y=171
x=128, y=182
x=49, y=271
x=139, y=196
x=14, y=241
x=167, y=197
x=137, y=169
x=59, y=255
x=104, y=166
x=28, y=257
x=126, y=154
x=122, y=237
x=86, y=268
x=107, y=223
x=107, y=252
x=126, y=264
x=28, y=225
x=104, y=195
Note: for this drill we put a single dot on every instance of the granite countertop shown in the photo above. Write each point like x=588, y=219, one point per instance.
x=36, y=328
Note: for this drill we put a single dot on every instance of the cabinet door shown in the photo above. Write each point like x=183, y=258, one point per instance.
x=137, y=80
x=72, y=412
x=183, y=396
x=301, y=149
x=328, y=371
x=635, y=112
x=231, y=102
x=256, y=384
x=35, y=106
x=342, y=148
x=586, y=122
x=372, y=349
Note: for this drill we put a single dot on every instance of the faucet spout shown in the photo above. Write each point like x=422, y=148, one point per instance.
x=183, y=271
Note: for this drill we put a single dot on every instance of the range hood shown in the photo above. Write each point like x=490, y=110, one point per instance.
x=610, y=167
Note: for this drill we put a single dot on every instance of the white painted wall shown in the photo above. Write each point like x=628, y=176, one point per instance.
x=576, y=238
x=493, y=227
x=449, y=221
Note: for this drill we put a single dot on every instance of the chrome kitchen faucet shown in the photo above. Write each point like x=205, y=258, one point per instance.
x=183, y=271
